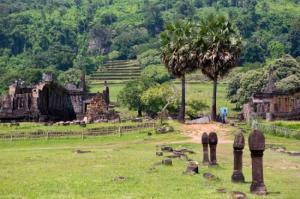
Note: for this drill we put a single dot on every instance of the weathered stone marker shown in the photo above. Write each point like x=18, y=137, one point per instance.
x=213, y=141
x=238, y=146
x=205, y=149
x=257, y=147
x=192, y=167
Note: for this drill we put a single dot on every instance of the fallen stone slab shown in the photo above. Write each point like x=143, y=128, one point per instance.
x=167, y=162
x=120, y=178
x=202, y=120
x=176, y=154
x=192, y=167
x=167, y=149
x=209, y=176
x=294, y=153
x=221, y=190
x=238, y=195
x=164, y=129
x=81, y=151
x=185, y=150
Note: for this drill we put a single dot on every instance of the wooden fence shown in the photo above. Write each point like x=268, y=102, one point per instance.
x=109, y=130
x=277, y=130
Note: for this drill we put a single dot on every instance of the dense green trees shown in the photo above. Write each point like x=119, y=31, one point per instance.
x=131, y=95
x=179, y=55
x=220, y=47
x=42, y=34
x=286, y=74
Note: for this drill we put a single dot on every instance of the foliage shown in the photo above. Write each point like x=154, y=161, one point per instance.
x=131, y=94
x=276, y=49
x=220, y=48
x=195, y=107
x=41, y=34
x=149, y=57
x=285, y=72
x=71, y=76
x=178, y=54
x=156, y=98
x=157, y=73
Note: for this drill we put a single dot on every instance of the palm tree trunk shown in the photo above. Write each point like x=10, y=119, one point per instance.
x=182, y=108
x=140, y=112
x=214, y=101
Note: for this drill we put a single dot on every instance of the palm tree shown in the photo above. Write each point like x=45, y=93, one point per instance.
x=178, y=54
x=219, y=46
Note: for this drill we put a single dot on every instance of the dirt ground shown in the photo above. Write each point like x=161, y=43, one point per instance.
x=225, y=133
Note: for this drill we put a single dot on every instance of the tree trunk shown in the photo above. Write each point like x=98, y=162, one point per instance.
x=214, y=102
x=139, y=113
x=182, y=108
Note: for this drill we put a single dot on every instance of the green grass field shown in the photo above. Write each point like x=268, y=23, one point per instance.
x=27, y=127
x=199, y=91
x=292, y=125
x=51, y=169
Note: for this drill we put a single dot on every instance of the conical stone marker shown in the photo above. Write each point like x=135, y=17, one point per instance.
x=238, y=146
x=205, y=142
x=213, y=141
x=257, y=147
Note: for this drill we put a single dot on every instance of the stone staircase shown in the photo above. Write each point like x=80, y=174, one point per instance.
x=118, y=71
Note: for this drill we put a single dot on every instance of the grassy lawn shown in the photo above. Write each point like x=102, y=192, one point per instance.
x=203, y=92
x=51, y=169
x=27, y=127
x=199, y=91
x=292, y=125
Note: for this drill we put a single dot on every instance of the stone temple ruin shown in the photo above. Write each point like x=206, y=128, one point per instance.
x=273, y=103
x=49, y=101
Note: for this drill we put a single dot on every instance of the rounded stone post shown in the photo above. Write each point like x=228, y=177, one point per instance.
x=213, y=141
x=238, y=146
x=257, y=147
x=205, y=149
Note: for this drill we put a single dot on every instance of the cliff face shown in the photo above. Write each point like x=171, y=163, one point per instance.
x=99, y=40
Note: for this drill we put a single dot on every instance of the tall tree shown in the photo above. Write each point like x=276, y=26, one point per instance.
x=220, y=47
x=178, y=54
x=294, y=37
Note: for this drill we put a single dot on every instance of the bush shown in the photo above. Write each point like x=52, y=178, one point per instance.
x=150, y=57
x=156, y=72
x=156, y=98
x=131, y=94
x=71, y=76
x=194, y=108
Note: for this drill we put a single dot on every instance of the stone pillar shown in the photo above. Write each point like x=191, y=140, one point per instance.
x=213, y=141
x=238, y=146
x=106, y=91
x=257, y=146
x=205, y=149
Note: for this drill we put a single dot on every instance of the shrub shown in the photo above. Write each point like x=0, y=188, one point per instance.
x=158, y=97
x=194, y=108
x=156, y=72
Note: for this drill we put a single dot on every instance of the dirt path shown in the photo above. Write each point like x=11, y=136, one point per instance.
x=194, y=131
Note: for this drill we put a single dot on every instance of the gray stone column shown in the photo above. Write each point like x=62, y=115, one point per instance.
x=205, y=149
x=257, y=147
x=213, y=141
x=238, y=146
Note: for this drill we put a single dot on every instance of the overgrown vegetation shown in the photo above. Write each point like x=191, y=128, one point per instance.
x=52, y=35
x=285, y=73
